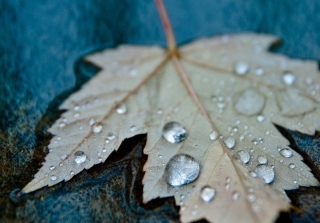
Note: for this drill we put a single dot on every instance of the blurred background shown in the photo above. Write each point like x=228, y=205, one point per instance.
x=42, y=43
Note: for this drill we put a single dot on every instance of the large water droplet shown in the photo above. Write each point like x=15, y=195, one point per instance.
x=213, y=135
x=207, y=193
x=241, y=68
x=97, y=127
x=249, y=102
x=230, y=142
x=53, y=177
x=288, y=78
x=265, y=172
x=111, y=136
x=174, y=132
x=80, y=157
x=262, y=159
x=181, y=169
x=121, y=108
x=286, y=153
x=242, y=155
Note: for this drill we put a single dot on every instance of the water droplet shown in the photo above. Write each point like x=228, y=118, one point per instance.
x=72, y=173
x=207, y=193
x=76, y=115
x=288, y=78
x=235, y=195
x=97, y=127
x=227, y=186
x=242, y=155
x=62, y=157
x=262, y=159
x=259, y=71
x=53, y=177
x=213, y=135
x=160, y=156
x=230, y=142
x=62, y=125
x=91, y=121
x=241, y=68
x=181, y=169
x=292, y=165
x=252, y=174
x=80, y=157
x=268, y=133
x=133, y=128
x=121, y=108
x=249, y=102
x=261, y=118
x=251, y=197
x=111, y=136
x=295, y=182
x=286, y=153
x=265, y=172
x=51, y=167
x=174, y=132
x=255, y=141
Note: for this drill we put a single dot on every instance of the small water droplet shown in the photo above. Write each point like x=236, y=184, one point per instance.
x=121, y=108
x=288, y=78
x=292, y=165
x=97, y=127
x=261, y=118
x=259, y=71
x=213, y=135
x=255, y=141
x=62, y=157
x=133, y=128
x=53, y=177
x=71, y=173
x=51, y=167
x=80, y=157
x=77, y=108
x=230, y=142
x=76, y=115
x=268, y=133
x=227, y=186
x=62, y=125
x=251, y=197
x=249, y=102
x=160, y=156
x=181, y=169
x=235, y=195
x=265, y=172
x=241, y=68
x=111, y=136
x=262, y=159
x=286, y=153
x=91, y=121
x=207, y=193
x=252, y=174
x=242, y=155
x=295, y=182
x=174, y=132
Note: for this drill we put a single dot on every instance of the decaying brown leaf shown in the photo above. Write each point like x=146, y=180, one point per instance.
x=211, y=105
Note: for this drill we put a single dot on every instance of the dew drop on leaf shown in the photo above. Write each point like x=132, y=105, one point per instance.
x=51, y=167
x=251, y=197
x=230, y=142
x=249, y=102
x=235, y=195
x=53, y=177
x=133, y=128
x=111, y=136
x=261, y=118
x=181, y=169
x=265, y=172
x=97, y=127
x=213, y=135
x=241, y=68
x=262, y=159
x=259, y=71
x=288, y=78
x=292, y=165
x=121, y=108
x=62, y=157
x=207, y=193
x=242, y=155
x=286, y=153
x=91, y=121
x=174, y=132
x=80, y=157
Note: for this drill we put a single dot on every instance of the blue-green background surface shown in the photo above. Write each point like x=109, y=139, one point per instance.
x=41, y=46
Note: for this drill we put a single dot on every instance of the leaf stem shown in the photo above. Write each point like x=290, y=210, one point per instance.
x=171, y=42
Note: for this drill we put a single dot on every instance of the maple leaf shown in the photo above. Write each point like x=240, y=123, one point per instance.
x=208, y=109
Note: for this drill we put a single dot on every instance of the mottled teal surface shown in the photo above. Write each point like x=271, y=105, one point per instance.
x=41, y=46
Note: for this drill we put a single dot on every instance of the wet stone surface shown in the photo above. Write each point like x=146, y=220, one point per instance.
x=41, y=46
